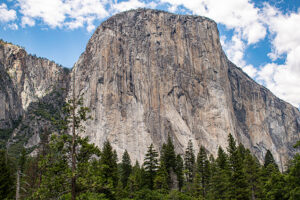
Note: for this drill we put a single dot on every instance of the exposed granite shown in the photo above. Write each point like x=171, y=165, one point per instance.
x=146, y=74
x=28, y=84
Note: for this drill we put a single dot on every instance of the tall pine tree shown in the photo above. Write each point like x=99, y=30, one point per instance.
x=238, y=189
x=151, y=165
x=203, y=169
x=168, y=159
x=125, y=168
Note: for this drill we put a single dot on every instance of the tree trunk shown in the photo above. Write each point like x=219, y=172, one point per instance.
x=18, y=185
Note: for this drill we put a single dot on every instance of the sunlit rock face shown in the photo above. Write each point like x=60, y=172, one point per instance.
x=147, y=74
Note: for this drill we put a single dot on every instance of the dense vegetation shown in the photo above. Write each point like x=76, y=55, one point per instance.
x=69, y=167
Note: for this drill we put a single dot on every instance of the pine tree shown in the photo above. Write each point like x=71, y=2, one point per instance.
x=269, y=159
x=179, y=171
x=293, y=178
x=220, y=176
x=135, y=180
x=252, y=172
x=189, y=162
x=151, y=165
x=203, y=170
x=108, y=164
x=56, y=178
x=274, y=187
x=161, y=178
x=6, y=181
x=238, y=189
x=125, y=168
x=168, y=158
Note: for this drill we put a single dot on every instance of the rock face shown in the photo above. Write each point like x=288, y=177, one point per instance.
x=147, y=74
x=28, y=91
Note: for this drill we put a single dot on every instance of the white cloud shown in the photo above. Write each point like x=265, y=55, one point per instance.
x=127, y=5
x=26, y=21
x=51, y=12
x=240, y=15
x=7, y=15
x=13, y=26
x=62, y=13
x=73, y=14
x=283, y=80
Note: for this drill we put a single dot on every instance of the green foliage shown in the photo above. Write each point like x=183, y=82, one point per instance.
x=269, y=159
x=293, y=179
x=6, y=180
x=220, y=175
x=161, y=178
x=151, y=165
x=233, y=175
x=179, y=171
x=168, y=159
x=125, y=168
x=189, y=162
x=238, y=184
x=203, y=171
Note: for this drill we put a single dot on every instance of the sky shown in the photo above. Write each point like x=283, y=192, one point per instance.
x=261, y=37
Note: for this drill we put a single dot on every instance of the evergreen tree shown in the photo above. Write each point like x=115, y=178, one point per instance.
x=238, y=189
x=55, y=182
x=269, y=159
x=293, y=178
x=203, y=170
x=189, y=162
x=220, y=176
x=125, y=168
x=151, y=165
x=274, y=187
x=6, y=181
x=109, y=169
x=161, y=178
x=168, y=158
x=252, y=172
x=135, y=180
x=56, y=178
x=179, y=171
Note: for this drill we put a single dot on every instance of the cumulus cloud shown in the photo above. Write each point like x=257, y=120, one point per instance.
x=13, y=26
x=239, y=15
x=62, y=13
x=127, y=5
x=283, y=80
x=7, y=15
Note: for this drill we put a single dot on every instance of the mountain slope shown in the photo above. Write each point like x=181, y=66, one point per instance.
x=146, y=74
x=30, y=94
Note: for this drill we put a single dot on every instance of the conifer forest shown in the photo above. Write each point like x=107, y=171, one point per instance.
x=67, y=166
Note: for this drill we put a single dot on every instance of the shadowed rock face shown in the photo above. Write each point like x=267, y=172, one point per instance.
x=146, y=74
x=29, y=88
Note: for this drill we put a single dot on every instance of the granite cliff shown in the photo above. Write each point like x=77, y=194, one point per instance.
x=147, y=74
x=30, y=94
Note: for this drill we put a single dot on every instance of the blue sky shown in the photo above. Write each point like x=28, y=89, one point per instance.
x=261, y=37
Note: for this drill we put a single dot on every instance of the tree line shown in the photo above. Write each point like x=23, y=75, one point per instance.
x=69, y=167
x=234, y=174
